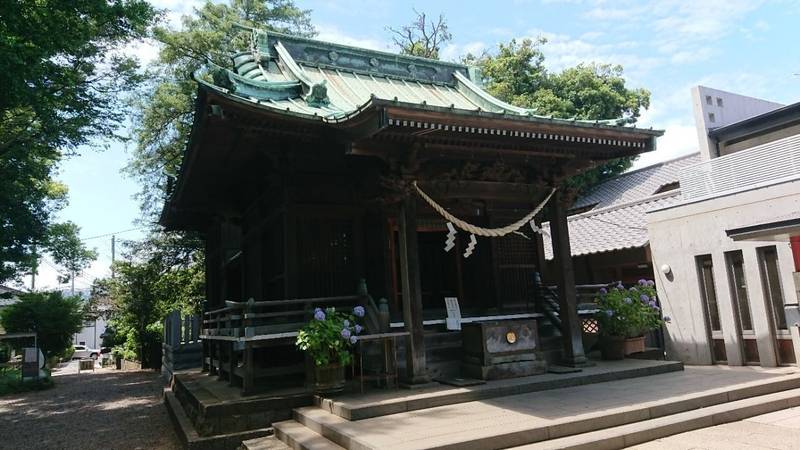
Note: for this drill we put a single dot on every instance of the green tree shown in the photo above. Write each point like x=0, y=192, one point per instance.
x=163, y=118
x=62, y=78
x=53, y=317
x=516, y=74
x=69, y=251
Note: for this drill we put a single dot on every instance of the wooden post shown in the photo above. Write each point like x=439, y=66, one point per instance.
x=571, y=327
x=416, y=372
x=249, y=369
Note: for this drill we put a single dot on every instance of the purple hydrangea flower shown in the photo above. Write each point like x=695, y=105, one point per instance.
x=319, y=314
x=358, y=329
x=651, y=283
x=353, y=339
x=633, y=289
x=609, y=313
x=603, y=291
x=346, y=323
x=359, y=311
x=620, y=286
x=345, y=333
x=628, y=300
x=642, y=282
x=644, y=298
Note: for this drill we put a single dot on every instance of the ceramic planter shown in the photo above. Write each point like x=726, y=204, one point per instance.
x=634, y=345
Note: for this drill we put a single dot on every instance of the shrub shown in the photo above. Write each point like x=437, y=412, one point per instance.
x=330, y=336
x=628, y=312
x=53, y=317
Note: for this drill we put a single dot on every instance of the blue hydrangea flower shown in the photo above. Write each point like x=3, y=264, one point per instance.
x=358, y=329
x=358, y=311
x=651, y=283
x=346, y=323
x=319, y=314
x=620, y=286
x=609, y=313
x=603, y=291
x=642, y=282
x=345, y=333
x=628, y=300
x=316, y=310
x=633, y=289
x=644, y=298
x=353, y=339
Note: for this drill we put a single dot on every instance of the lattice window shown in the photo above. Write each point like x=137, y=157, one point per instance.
x=590, y=326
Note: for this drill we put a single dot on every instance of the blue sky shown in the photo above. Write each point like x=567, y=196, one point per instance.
x=666, y=46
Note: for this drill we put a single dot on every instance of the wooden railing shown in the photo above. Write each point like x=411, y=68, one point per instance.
x=275, y=319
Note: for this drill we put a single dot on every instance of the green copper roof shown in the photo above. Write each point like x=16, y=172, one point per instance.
x=332, y=81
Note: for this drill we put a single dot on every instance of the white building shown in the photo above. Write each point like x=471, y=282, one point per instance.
x=723, y=277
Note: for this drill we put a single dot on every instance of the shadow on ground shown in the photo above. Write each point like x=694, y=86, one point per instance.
x=103, y=409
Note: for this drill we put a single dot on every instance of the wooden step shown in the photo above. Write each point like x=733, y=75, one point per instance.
x=640, y=432
x=300, y=437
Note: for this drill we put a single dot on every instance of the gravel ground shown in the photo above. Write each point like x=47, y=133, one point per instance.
x=105, y=409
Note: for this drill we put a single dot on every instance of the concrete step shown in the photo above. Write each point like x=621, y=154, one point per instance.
x=299, y=437
x=364, y=407
x=266, y=443
x=602, y=429
x=644, y=431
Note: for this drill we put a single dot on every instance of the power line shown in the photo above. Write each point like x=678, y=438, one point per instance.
x=113, y=233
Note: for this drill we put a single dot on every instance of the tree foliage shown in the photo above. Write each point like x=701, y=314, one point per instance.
x=67, y=249
x=53, y=317
x=159, y=276
x=422, y=37
x=63, y=81
x=163, y=118
x=516, y=74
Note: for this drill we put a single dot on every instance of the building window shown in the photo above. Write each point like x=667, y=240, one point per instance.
x=738, y=286
x=708, y=293
x=712, y=118
x=719, y=102
x=705, y=268
x=771, y=282
x=709, y=100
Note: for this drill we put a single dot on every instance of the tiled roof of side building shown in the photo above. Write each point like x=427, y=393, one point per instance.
x=617, y=221
x=637, y=184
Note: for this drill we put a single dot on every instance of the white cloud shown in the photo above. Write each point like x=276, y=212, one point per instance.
x=453, y=52
x=680, y=138
x=331, y=33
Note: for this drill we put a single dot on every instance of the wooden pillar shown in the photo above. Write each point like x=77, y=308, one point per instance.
x=249, y=369
x=571, y=327
x=416, y=372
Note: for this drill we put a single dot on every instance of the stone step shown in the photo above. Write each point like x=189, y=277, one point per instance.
x=299, y=437
x=365, y=407
x=640, y=432
x=670, y=415
x=266, y=443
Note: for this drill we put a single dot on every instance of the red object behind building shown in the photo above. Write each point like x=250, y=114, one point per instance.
x=795, y=242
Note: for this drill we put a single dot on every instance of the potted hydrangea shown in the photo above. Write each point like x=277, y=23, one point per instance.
x=329, y=339
x=624, y=316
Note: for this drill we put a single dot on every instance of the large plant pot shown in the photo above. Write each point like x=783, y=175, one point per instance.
x=329, y=379
x=612, y=347
x=634, y=345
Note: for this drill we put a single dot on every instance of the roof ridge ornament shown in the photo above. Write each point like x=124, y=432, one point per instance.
x=315, y=94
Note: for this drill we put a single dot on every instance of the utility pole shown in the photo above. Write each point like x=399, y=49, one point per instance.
x=113, y=253
x=35, y=267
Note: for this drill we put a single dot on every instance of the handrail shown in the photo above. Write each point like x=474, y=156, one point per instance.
x=295, y=301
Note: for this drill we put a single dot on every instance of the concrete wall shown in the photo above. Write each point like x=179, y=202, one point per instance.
x=714, y=108
x=679, y=233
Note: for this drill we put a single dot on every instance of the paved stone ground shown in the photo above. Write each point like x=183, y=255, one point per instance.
x=104, y=409
x=777, y=430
